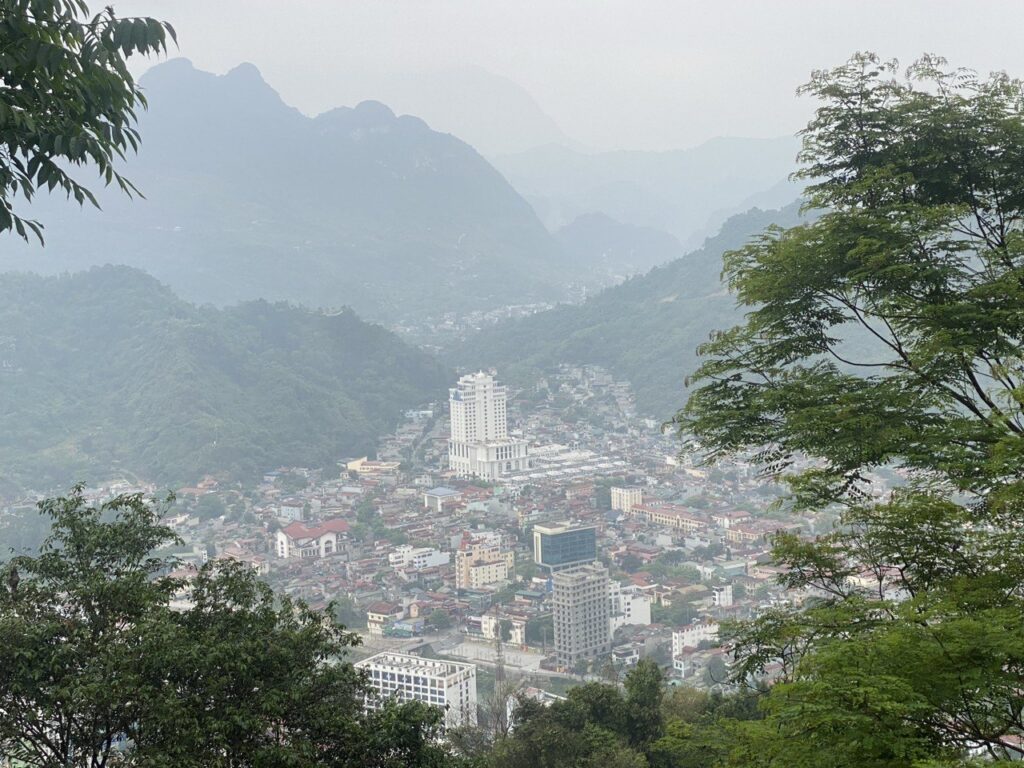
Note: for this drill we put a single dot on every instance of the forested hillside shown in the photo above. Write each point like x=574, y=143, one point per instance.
x=108, y=372
x=646, y=330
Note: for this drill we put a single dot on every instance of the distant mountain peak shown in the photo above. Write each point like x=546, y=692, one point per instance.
x=246, y=72
x=374, y=109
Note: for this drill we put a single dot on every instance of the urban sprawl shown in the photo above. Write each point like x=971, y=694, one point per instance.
x=534, y=539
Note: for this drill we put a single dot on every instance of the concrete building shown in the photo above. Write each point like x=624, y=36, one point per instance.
x=439, y=498
x=380, y=615
x=479, y=445
x=561, y=546
x=478, y=564
x=297, y=540
x=623, y=499
x=693, y=635
x=446, y=684
x=418, y=558
x=627, y=605
x=581, y=610
x=669, y=515
x=490, y=626
x=723, y=596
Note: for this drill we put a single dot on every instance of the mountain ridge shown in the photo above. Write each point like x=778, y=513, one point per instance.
x=249, y=198
x=129, y=376
x=645, y=330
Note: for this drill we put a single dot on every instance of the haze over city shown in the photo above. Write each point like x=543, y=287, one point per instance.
x=470, y=384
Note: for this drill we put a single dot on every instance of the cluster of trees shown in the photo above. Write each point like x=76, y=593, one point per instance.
x=97, y=667
x=184, y=391
x=889, y=333
x=604, y=725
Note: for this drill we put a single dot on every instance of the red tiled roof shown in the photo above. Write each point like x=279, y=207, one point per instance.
x=297, y=530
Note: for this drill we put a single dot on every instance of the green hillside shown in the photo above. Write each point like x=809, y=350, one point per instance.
x=107, y=372
x=645, y=330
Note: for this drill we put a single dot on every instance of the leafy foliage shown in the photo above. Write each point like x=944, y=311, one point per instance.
x=912, y=649
x=96, y=667
x=67, y=98
x=128, y=378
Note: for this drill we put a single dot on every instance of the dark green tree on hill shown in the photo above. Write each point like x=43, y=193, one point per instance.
x=889, y=333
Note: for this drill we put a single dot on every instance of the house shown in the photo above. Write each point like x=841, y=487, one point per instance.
x=296, y=540
x=438, y=498
x=380, y=615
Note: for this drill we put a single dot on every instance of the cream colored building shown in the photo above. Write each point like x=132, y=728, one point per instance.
x=479, y=564
x=623, y=499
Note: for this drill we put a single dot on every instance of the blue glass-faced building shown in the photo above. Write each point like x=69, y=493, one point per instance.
x=557, y=547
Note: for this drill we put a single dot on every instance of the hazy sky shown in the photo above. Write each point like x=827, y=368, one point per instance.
x=612, y=74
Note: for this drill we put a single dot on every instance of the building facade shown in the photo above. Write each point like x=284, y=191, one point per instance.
x=418, y=558
x=623, y=499
x=298, y=540
x=479, y=564
x=479, y=445
x=693, y=635
x=581, y=611
x=627, y=605
x=561, y=546
x=446, y=684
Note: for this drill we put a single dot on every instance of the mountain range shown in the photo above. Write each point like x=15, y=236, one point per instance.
x=645, y=331
x=688, y=193
x=107, y=372
x=248, y=198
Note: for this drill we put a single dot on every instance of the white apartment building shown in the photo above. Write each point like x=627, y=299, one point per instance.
x=490, y=626
x=693, y=635
x=446, y=684
x=418, y=558
x=581, y=610
x=627, y=605
x=479, y=445
x=723, y=596
x=623, y=499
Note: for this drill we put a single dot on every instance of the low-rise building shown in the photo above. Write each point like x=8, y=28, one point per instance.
x=380, y=615
x=627, y=605
x=438, y=498
x=418, y=558
x=298, y=540
x=448, y=685
x=692, y=635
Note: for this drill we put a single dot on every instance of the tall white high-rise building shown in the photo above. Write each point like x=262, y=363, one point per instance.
x=479, y=445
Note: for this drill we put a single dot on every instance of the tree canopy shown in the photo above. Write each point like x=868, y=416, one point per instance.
x=67, y=98
x=888, y=332
x=111, y=653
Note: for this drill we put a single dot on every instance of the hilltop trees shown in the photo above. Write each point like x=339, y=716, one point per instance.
x=67, y=98
x=96, y=667
x=888, y=333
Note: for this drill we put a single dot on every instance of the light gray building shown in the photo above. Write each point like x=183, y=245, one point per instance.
x=448, y=685
x=581, y=614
